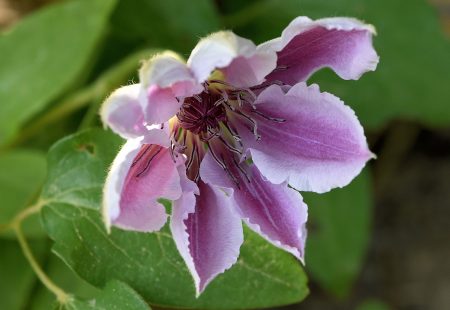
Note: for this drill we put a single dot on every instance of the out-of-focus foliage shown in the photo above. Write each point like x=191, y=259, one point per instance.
x=17, y=278
x=339, y=224
x=21, y=178
x=45, y=55
x=167, y=24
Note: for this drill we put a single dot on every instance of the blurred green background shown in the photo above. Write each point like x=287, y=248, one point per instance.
x=381, y=243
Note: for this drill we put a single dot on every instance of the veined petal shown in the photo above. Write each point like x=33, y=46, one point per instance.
x=274, y=211
x=343, y=44
x=241, y=62
x=207, y=232
x=122, y=112
x=164, y=78
x=320, y=145
x=139, y=176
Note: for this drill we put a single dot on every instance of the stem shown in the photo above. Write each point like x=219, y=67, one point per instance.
x=62, y=297
x=109, y=80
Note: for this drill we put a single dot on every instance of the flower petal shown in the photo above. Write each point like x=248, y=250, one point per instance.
x=343, y=44
x=122, y=112
x=139, y=176
x=164, y=78
x=274, y=211
x=207, y=232
x=242, y=63
x=164, y=70
x=320, y=146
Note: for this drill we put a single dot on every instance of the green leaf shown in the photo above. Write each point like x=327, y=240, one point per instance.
x=44, y=55
x=264, y=276
x=22, y=176
x=64, y=277
x=17, y=278
x=412, y=77
x=175, y=24
x=339, y=233
x=116, y=296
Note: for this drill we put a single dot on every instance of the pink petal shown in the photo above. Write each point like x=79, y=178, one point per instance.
x=343, y=44
x=320, y=146
x=122, y=112
x=274, y=211
x=139, y=176
x=164, y=70
x=207, y=232
x=242, y=63
x=161, y=104
x=164, y=78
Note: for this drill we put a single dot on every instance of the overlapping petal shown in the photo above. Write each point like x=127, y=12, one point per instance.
x=164, y=78
x=139, y=176
x=274, y=211
x=343, y=44
x=207, y=232
x=241, y=62
x=122, y=112
x=319, y=146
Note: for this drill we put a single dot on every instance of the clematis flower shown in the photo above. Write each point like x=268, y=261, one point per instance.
x=224, y=134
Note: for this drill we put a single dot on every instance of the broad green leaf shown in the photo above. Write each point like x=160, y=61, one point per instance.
x=175, y=24
x=264, y=276
x=116, y=296
x=16, y=277
x=22, y=176
x=339, y=233
x=44, y=55
x=412, y=77
x=64, y=277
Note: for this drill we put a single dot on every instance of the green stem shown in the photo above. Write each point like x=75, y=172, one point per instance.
x=109, y=80
x=62, y=297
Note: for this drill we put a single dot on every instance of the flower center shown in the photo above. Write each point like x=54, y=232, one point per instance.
x=207, y=122
x=200, y=114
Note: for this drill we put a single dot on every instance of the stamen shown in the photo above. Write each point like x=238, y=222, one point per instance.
x=232, y=131
x=251, y=120
x=230, y=147
x=267, y=84
x=221, y=162
x=241, y=169
x=191, y=157
x=274, y=119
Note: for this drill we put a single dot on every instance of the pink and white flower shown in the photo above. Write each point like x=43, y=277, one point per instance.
x=224, y=134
